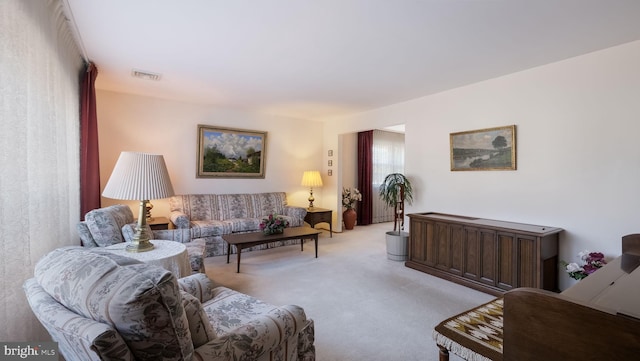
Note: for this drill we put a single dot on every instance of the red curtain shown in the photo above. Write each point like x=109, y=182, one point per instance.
x=365, y=175
x=89, y=162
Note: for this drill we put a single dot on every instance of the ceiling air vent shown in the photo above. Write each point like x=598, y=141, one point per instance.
x=145, y=75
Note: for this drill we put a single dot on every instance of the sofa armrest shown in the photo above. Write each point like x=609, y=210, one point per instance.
x=295, y=212
x=257, y=337
x=179, y=219
x=198, y=285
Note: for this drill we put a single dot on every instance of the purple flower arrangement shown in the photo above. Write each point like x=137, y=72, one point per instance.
x=273, y=224
x=589, y=263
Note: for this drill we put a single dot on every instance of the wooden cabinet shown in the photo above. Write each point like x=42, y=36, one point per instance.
x=488, y=255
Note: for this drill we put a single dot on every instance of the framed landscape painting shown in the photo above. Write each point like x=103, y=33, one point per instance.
x=484, y=149
x=230, y=153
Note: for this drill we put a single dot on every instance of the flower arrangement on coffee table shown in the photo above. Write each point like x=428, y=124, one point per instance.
x=589, y=263
x=273, y=224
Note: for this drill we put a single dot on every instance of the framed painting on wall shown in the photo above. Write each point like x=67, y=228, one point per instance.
x=484, y=149
x=230, y=153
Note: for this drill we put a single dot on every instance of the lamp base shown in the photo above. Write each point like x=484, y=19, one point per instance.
x=311, y=198
x=140, y=242
x=141, y=246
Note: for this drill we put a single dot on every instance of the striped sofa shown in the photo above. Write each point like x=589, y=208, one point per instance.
x=210, y=216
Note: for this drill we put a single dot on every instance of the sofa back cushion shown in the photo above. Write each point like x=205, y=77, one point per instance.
x=142, y=302
x=202, y=207
x=105, y=224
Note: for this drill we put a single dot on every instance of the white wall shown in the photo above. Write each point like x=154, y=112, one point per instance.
x=577, y=148
x=136, y=123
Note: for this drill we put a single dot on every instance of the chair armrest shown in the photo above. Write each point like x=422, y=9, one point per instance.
x=75, y=334
x=179, y=219
x=257, y=337
x=198, y=285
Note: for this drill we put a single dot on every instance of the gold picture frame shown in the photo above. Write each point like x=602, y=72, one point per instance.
x=230, y=153
x=484, y=149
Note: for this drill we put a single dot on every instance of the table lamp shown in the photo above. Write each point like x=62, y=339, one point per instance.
x=139, y=176
x=311, y=178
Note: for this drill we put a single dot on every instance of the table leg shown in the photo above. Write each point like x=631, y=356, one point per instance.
x=228, y=251
x=239, y=250
x=301, y=244
x=330, y=231
x=316, y=240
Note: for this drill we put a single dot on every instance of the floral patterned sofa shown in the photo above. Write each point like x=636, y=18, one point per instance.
x=106, y=226
x=209, y=216
x=101, y=306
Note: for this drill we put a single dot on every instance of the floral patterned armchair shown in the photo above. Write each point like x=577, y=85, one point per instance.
x=106, y=226
x=100, y=306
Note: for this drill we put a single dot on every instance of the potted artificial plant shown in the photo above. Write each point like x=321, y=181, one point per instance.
x=394, y=191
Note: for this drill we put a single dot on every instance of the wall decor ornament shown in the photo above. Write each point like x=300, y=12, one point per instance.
x=484, y=149
x=230, y=153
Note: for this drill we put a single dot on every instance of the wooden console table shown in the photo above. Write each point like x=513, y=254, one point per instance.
x=488, y=255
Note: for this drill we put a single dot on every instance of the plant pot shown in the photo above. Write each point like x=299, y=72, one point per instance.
x=349, y=218
x=397, y=245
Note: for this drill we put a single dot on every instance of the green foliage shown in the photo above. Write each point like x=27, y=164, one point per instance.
x=390, y=189
x=215, y=161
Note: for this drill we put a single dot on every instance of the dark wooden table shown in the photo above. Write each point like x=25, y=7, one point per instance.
x=247, y=240
x=317, y=215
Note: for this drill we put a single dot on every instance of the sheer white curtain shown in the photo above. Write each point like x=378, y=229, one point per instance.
x=40, y=68
x=388, y=157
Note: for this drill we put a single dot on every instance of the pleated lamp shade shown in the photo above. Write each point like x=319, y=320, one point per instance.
x=311, y=178
x=139, y=176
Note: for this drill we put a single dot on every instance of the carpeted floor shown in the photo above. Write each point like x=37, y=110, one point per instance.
x=365, y=307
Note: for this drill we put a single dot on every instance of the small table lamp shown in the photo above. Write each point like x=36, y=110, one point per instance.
x=311, y=178
x=139, y=176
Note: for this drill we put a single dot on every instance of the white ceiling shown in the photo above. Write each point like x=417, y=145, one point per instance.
x=313, y=59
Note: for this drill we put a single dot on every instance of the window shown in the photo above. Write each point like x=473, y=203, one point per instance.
x=387, y=157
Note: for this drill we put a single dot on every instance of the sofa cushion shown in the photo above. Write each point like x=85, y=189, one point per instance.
x=106, y=223
x=142, y=302
x=264, y=204
x=245, y=224
x=232, y=206
x=229, y=309
x=210, y=227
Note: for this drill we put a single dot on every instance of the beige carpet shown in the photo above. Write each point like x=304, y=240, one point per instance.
x=365, y=307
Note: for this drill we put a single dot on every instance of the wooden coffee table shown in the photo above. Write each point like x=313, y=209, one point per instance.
x=246, y=240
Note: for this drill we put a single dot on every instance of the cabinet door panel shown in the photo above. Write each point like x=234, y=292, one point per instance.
x=430, y=244
x=417, y=249
x=506, y=260
x=472, y=253
x=457, y=249
x=488, y=252
x=527, y=262
x=442, y=246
